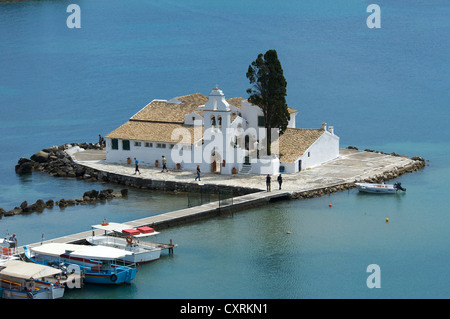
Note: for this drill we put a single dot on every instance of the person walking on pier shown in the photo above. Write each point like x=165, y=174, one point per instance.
x=198, y=172
x=280, y=181
x=268, y=182
x=136, y=166
x=164, y=164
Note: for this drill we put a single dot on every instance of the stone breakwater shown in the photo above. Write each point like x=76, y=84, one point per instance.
x=56, y=161
x=89, y=197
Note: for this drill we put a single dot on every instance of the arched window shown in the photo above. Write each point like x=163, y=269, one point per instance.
x=220, y=121
x=213, y=121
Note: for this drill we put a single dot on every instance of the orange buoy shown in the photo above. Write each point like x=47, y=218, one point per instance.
x=329, y=205
x=387, y=220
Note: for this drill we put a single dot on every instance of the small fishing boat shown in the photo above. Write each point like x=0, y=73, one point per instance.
x=99, y=264
x=129, y=239
x=23, y=280
x=380, y=188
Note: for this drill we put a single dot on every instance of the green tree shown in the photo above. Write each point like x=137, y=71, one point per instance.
x=268, y=91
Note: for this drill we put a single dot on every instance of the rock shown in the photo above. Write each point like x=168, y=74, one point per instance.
x=2, y=212
x=91, y=194
x=24, y=205
x=62, y=203
x=124, y=192
x=106, y=194
x=50, y=203
x=40, y=157
x=23, y=160
x=30, y=208
x=40, y=204
x=24, y=168
x=70, y=202
x=117, y=194
x=14, y=211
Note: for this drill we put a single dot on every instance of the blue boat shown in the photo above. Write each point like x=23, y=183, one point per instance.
x=99, y=264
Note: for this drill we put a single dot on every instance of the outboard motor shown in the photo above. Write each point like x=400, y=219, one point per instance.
x=398, y=186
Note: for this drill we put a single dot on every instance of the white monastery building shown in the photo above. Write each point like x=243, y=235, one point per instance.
x=225, y=136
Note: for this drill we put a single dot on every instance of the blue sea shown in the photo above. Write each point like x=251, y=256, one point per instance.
x=383, y=88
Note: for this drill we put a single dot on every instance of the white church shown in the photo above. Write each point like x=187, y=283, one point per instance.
x=224, y=136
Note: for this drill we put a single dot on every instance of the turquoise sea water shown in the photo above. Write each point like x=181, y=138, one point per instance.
x=384, y=89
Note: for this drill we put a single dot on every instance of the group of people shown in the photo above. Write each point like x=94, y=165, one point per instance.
x=136, y=165
x=12, y=241
x=268, y=181
x=268, y=178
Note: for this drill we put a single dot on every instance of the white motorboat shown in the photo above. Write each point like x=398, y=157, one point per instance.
x=129, y=239
x=380, y=188
x=23, y=280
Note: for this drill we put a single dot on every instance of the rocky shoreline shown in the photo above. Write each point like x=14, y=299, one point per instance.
x=57, y=162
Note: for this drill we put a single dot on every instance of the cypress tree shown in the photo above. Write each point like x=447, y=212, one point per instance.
x=268, y=91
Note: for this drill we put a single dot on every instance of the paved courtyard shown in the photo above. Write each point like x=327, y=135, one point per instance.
x=351, y=165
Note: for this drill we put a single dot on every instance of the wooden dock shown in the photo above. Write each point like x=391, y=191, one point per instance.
x=179, y=217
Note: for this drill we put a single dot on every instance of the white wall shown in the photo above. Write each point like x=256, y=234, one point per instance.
x=291, y=122
x=266, y=165
x=189, y=121
x=145, y=155
x=324, y=149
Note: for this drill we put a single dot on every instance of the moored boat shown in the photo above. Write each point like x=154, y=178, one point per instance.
x=125, y=237
x=24, y=280
x=100, y=264
x=380, y=188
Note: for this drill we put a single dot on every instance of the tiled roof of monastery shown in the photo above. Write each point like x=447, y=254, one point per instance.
x=157, y=120
x=157, y=132
x=163, y=111
x=294, y=142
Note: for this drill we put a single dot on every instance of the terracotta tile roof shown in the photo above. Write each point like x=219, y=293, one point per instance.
x=196, y=98
x=295, y=141
x=236, y=101
x=155, y=132
x=162, y=111
x=156, y=121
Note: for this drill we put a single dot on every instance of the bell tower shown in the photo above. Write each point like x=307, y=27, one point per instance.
x=217, y=119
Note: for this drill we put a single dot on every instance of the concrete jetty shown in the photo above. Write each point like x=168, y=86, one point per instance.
x=339, y=174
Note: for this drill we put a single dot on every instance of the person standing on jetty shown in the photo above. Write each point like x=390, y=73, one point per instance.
x=268, y=182
x=198, y=172
x=164, y=164
x=280, y=181
x=136, y=166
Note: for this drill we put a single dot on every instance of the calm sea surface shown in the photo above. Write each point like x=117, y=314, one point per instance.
x=384, y=89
